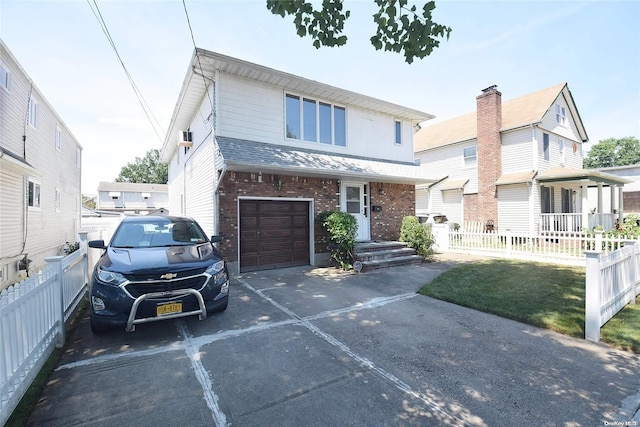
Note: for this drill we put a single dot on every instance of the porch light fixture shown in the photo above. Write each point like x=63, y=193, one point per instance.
x=380, y=189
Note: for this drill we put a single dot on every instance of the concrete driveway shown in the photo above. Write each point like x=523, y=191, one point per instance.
x=318, y=347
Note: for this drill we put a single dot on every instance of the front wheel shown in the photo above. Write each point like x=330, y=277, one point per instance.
x=97, y=327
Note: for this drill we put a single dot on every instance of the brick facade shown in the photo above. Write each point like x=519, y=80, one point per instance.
x=489, y=119
x=396, y=201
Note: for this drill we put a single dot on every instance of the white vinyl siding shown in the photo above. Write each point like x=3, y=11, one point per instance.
x=199, y=187
x=422, y=200
x=256, y=112
x=516, y=151
x=513, y=208
x=447, y=161
x=49, y=168
x=452, y=206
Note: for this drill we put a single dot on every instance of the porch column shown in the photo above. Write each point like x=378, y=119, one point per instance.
x=620, y=204
x=585, y=206
x=599, y=198
x=612, y=194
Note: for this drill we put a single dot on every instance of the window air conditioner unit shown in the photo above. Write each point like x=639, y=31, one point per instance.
x=184, y=138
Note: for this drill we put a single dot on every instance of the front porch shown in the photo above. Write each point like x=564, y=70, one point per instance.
x=574, y=222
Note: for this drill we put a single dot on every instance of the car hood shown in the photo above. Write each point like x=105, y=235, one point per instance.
x=174, y=258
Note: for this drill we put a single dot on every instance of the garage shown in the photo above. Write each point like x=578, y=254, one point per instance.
x=273, y=234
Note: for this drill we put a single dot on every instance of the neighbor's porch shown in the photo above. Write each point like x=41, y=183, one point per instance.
x=576, y=183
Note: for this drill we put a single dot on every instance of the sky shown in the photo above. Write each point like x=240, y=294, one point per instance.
x=519, y=46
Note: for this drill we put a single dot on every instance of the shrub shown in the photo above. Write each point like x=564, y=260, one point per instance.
x=342, y=229
x=417, y=236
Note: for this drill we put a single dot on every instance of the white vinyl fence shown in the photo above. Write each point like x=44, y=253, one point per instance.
x=559, y=247
x=32, y=320
x=612, y=282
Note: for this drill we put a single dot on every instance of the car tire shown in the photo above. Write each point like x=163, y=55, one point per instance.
x=219, y=309
x=97, y=328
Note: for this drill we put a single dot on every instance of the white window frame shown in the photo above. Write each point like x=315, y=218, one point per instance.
x=58, y=200
x=317, y=102
x=5, y=78
x=58, y=138
x=397, y=129
x=34, y=202
x=561, y=115
x=468, y=159
x=33, y=113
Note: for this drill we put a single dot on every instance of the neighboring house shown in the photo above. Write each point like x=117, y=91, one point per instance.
x=131, y=198
x=515, y=165
x=630, y=193
x=260, y=153
x=40, y=193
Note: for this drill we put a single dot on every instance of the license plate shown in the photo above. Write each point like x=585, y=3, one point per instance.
x=168, y=308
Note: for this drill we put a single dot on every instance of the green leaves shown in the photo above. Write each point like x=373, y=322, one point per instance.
x=399, y=28
x=147, y=170
x=613, y=152
x=324, y=26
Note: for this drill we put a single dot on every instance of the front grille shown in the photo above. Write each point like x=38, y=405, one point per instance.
x=135, y=289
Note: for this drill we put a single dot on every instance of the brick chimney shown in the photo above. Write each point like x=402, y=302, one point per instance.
x=489, y=117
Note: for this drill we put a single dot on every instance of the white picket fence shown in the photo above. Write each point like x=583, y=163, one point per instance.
x=32, y=320
x=612, y=282
x=558, y=247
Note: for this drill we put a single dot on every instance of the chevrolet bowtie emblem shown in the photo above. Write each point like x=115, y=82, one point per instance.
x=169, y=276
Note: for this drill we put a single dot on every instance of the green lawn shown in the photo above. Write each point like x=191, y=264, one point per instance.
x=544, y=295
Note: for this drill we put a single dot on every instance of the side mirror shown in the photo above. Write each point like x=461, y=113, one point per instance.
x=216, y=239
x=97, y=244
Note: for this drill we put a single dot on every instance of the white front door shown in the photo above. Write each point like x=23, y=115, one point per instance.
x=355, y=200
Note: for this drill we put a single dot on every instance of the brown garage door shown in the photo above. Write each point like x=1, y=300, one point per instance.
x=273, y=234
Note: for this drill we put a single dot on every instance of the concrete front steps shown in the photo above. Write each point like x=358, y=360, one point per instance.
x=375, y=254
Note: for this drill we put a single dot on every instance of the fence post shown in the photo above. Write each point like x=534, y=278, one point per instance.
x=634, y=272
x=592, y=297
x=84, y=247
x=509, y=241
x=598, y=247
x=55, y=263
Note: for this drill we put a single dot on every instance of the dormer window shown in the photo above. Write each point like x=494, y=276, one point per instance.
x=561, y=115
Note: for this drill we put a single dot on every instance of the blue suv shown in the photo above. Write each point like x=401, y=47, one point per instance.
x=156, y=268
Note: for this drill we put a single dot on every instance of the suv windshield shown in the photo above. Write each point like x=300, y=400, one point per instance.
x=157, y=233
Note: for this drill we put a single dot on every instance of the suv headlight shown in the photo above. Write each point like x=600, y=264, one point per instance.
x=217, y=270
x=111, y=277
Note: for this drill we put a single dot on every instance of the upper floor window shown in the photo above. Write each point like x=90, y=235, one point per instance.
x=33, y=113
x=4, y=77
x=545, y=145
x=58, y=138
x=398, y=130
x=470, y=156
x=561, y=115
x=311, y=120
x=33, y=194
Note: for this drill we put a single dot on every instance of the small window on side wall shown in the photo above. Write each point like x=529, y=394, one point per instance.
x=470, y=156
x=5, y=77
x=398, y=130
x=545, y=145
x=33, y=194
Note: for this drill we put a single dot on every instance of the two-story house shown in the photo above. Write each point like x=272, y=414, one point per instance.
x=514, y=166
x=131, y=197
x=40, y=163
x=260, y=153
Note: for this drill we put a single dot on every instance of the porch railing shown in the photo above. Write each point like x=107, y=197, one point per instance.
x=572, y=222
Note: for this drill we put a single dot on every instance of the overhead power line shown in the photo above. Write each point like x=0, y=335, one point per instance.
x=143, y=103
